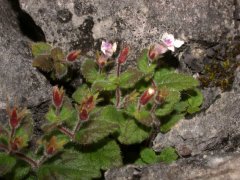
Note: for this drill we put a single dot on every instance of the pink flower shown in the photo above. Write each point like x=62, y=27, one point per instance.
x=156, y=50
x=108, y=48
x=170, y=42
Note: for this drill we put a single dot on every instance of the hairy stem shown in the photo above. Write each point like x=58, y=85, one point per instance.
x=118, y=91
x=77, y=127
x=4, y=147
x=25, y=158
x=65, y=131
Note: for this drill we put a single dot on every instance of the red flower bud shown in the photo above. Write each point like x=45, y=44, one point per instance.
x=14, y=119
x=57, y=96
x=72, y=56
x=16, y=144
x=89, y=104
x=146, y=96
x=50, y=150
x=83, y=115
x=123, y=55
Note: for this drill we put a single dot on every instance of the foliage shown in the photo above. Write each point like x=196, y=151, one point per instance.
x=82, y=134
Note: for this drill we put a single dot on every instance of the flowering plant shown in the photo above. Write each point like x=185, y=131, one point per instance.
x=82, y=134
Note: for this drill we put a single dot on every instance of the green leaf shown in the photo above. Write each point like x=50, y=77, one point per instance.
x=80, y=94
x=139, y=162
x=95, y=130
x=103, y=85
x=132, y=133
x=144, y=117
x=143, y=64
x=57, y=55
x=111, y=114
x=168, y=155
x=195, y=100
x=20, y=172
x=6, y=163
x=181, y=106
x=66, y=113
x=90, y=72
x=51, y=116
x=108, y=155
x=82, y=164
x=40, y=48
x=129, y=78
x=43, y=62
x=169, y=79
x=168, y=106
x=148, y=156
x=171, y=120
x=60, y=69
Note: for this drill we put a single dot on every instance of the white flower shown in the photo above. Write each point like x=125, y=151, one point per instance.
x=171, y=42
x=108, y=48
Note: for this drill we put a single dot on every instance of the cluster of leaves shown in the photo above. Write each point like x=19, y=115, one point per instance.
x=82, y=134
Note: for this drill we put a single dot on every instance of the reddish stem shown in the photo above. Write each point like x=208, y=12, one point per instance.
x=27, y=159
x=118, y=91
x=4, y=147
x=65, y=131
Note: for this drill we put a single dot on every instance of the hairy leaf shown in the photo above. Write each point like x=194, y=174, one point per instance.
x=95, y=130
x=129, y=78
x=90, y=72
x=168, y=106
x=132, y=133
x=103, y=85
x=144, y=117
x=111, y=114
x=43, y=62
x=169, y=79
x=40, y=48
x=6, y=163
x=57, y=55
x=81, y=93
x=60, y=69
x=168, y=155
x=21, y=171
x=143, y=64
x=170, y=122
x=148, y=156
x=195, y=100
x=51, y=115
x=106, y=156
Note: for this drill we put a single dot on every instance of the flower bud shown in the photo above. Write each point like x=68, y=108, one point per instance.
x=14, y=119
x=156, y=50
x=161, y=96
x=89, y=104
x=51, y=147
x=101, y=60
x=83, y=115
x=72, y=56
x=16, y=144
x=57, y=97
x=123, y=56
x=146, y=96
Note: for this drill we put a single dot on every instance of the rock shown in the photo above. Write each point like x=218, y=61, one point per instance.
x=82, y=24
x=215, y=129
x=19, y=80
x=211, y=167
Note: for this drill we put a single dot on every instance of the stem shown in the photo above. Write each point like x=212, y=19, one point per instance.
x=4, y=147
x=41, y=160
x=154, y=107
x=12, y=134
x=118, y=91
x=25, y=158
x=65, y=131
x=77, y=127
x=118, y=96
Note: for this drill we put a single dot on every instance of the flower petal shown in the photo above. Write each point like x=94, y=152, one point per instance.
x=168, y=39
x=178, y=43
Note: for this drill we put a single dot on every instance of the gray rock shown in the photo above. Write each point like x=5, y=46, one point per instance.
x=217, y=167
x=81, y=24
x=214, y=129
x=18, y=79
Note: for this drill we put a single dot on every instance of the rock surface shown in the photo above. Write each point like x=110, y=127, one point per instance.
x=217, y=167
x=215, y=129
x=18, y=79
x=82, y=24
